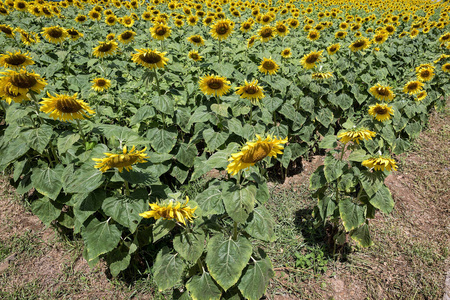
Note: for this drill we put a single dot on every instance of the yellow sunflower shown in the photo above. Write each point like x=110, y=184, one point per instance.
x=29, y=38
x=171, y=210
x=356, y=135
x=266, y=33
x=340, y=34
x=281, y=29
x=22, y=82
x=309, y=61
x=65, y=107
x=380, y=37
x=251, y=41
x=321, y=76
x=425, y=74
x=111, y=20
x=380, y=163
x=446, y=67
x=194, y=55
x=251, y=91
x=80, y=18
x=120, y=161
x=313, y=35
x=421, y=95
x=221, y=29
x=101, y=84
x=214, y=85
x=381, y=92
x=127, y=21
x=105, y=49
x=15, y=60
x=286, y=53
x=55, y=34
x=268, y=66
x=413, y=87
x=95, y=15
x=333, y=49
x=381, y=112
x=126, y=36
x=360, y=44
x=149, y=58
x=7, y=30
x=7, y=93
x=111, y=36
x=160, y=32
x=255, y=151
x=246, y=26
x=196, y=40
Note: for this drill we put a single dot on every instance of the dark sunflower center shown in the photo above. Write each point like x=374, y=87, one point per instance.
x=3, y=10
x=23, y=81
x=390, y=29
x=446, y=37
x=127, y=35
x=425, y=73
x=246, y=26
x=383, y=92
x=359, y=44
x=257, y=153
x=55, y=33
x=268, y=65
x=72, y=32
x=105, y=47
x=281, y=28
x=412, y=86
x=286, y=52
x=381, y=110
x=312, y=35
x=36, y=10
x=194, y=56
x=251, y=89
x=81, y=18
x=21, y=5
x=293, y=24
x=266, y=32
x=16, y=60
x=128, y=21
x=447, y=67
x=333, y=48
x=222, y=29
x=46, y=11
x=340, y=34
x=379, y=38
x=68, y=105
x=150, y=58
x=312, y=58
x=101, y=82
x=111, y=19
x=266, y=19
x=161, y=31
x=215, y=84
x=196, y=39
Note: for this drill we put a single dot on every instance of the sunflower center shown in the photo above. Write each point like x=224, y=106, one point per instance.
x=111, y=19
x=339, y=34
x=383, y=92
x=105, y=47
x=72, y=32
x=128, y=21
x=266, y=32
x=257, y=153
x=359, y=44
x=447, y=66
x=312, y=58
x=127, y=35
x=3, y=10
x=101, y=82
x=381, y=110
x=68, y=105
x=312, y=35
x=23, y=81
x=194, y=56
x=390, y=29
x=251, y=89
x=286, y=52
x=269, y=65
x=21, y=5
x=222, y=29
x=379, y=38
x=412, y=86
x=246, y=26
x=150, y=58
x=160, y=31
x=5, y=30
x=265, y=19
x=55, y=33
x=15, y=60
x=196, y=39
x=333, y=48
x=425, y=73
x=46, y=11
x=122, y=160
x=215, y=84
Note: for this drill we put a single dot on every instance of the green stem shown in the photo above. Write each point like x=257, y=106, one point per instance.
x=235, y=230
x=36, y=105
x=127, y=188
x=339, y=179
x=157, y=81
x=251, y=115
x=359, y=193
x=82, y=133
x=220, y=52
x=200, y=265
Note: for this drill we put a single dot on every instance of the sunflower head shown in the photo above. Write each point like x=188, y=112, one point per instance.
x=221, y=29
x=360, y=44
x=380, y=163
x=55, y=34
x=313, y=35
x=126, y=36
x=121, y=160
x=355, y=135
x=171, y=209
x=251, y=91
x=286, y=53
x=15, y=60
x=101, y=84
x=194, y=55
x=23, y=81
x=74, y=34
x=160, y=32
x=421, y=95
x=333, y=49
x=446, y=67
x=266, y=33
x=425, y=74
x=197, y=40
x=321, y=76
x=105, y=48
x=309, y=60
x=413, y=87
x=214, y=85
x=381, y=112
x=381, y=92
x=149, y=58
x=268, y=66
x=65, y=107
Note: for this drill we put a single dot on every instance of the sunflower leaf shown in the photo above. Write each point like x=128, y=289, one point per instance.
x=382, y=199
x=261, y=225
x=362, y=236
x=38, y=138
x=162, y=140
x=255, y=279
x=239, y=202
x=48, y=181
x=100, y=238
x=125, y=210
x=190, y=245
x=203, y=287
x=46, y=210
x=168, y=269
x=353, y=215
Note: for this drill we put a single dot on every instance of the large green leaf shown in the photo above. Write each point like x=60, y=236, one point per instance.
x=190, y=245
x=66, y=140
x=362, y=236
x=143, y=113
x=100, y=238
x=328, y=142
x=210, y=200
x=326, y=207
x=48, y=181
x=162, y=140
x=226, y=258
x=260, y=224
x=239, y=202
x=371, y=181
x=161, y=228
x=255, y=279
x=38, y=138
x=125, y=210
x=382, y=199
x=164, y=104
x=12, y=151
x=186, y=154
x=168, y=269
x=214, y=139
x=87, y=204
x=333, y=168
x=84, y=180
x=352, y=215
x=203, y=287
x=317, y=179
x=46, y=210
x=118, y=260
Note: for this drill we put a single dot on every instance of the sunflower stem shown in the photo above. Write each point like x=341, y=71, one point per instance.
x=200, y=265
x=339, y=179
x=235, y=232
x=157, y=81
x=359, y=193
x=82, y=133
x=127, y=188
x=36, y=105
x=220, y=52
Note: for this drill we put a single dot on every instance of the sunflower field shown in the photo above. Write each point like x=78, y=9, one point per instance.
x=108, y=106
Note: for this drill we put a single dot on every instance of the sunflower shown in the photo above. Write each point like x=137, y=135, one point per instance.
x=127, y=21
x=214, y=85
x=286, y=53
x=101, y=84
x=208, y=20
x=251, y=91
x=196, y=40
x=268, y=66
x=3, y=11
x=380, y=37
x=170, y=210
x=383, y=93
x=151, y=59
x=55, y=34
x=105, y=49
x=321, y=76
x=23, y=81
x=21, y=5
x=29, y=38
x=340, y=34
x=74, y=34
x=403, y=34
x=126, y=36
x=65, y=107
x=309, y=60
x=313, y=35
x=281, y=29
x=414, y=33
x=80, y=18
x=120, y=161
x=192, y=20
x=360, y=44
x=380, y=163
x=251, y=41
x=255, y=151
x=221, y=29
x=355, y=135
x=15, y=60
x=160, y=32
x=421, y=95
x=381, y=112
x=111, y=20
x=111, y=36
x=333, y=49
x=95, y=15
x=425, y=74
x=413, y=87
x=446, y=67
x=293, y=23
x=194, y=55
x=7, y=93
x=445, y=37
x=246, y=26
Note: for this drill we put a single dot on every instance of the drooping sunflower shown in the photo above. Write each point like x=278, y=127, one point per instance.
x=413, y=87
x=15, y=60
x=425, y=74
x=29, y=38
x=446, y=67
x=221, y=29
x=313, y=35
x=194, y=55
x=332, y=49
x=445, y=37
x=160, y=32
x=65, y=108
x=266, y=33
x=74, y=34
x=309, y=61
x=214, y=85
x=80, y=18
x=286, y=53
x=355, y=135
x=414, y=33
x=7, y=30
x=421, y=95
x=380, y=37
x=251, y=91
x=340, y=34
x=126, y=36
x=149, y=58
x=120, y=161
x=360, y=44
x=383, y=93
x=55, y=34
x=23, y=81
x=101, y=84
x=171, y=210
x=251, y=41
x=255, y=151
x=321, y=76
x=196, y=40
x=381, y=112
x=105, y=48
x=380, y=163
x=7, y=93
x=268, y=66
